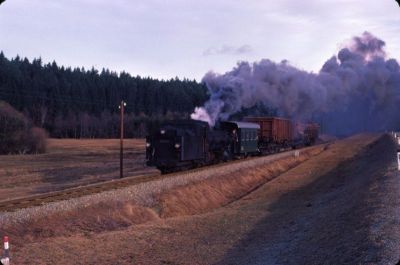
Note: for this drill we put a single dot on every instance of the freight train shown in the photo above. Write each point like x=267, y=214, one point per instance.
x=186, y=144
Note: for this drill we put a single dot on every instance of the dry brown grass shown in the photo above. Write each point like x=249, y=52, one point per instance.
x=199, y=239
x=93, y=219
x=68, y=163
x=94, y=145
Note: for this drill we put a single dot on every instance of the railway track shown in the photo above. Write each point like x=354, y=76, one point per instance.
x=69, y=193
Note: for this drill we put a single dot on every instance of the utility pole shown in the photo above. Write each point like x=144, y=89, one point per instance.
x=121, y=151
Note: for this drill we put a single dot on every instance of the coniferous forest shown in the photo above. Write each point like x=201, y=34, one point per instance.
x=79, y=103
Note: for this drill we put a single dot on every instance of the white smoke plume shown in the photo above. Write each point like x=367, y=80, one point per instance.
x=357, y=90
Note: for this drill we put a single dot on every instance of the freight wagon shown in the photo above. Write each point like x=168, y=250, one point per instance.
x=311, y=134
x=275, y=133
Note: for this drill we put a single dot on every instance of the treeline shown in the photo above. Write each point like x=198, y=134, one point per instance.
x=80, y=103
x=107, y=124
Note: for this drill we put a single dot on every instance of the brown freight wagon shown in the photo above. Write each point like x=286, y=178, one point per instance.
x=273, y=129
x=311, y=133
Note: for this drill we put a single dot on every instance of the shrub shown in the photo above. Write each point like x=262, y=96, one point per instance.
x=17, y=134
x=37, y=141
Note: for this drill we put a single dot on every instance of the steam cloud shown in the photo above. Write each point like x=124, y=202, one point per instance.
x=357, y=90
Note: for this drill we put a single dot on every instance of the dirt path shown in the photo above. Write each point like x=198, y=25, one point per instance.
x=335, y=208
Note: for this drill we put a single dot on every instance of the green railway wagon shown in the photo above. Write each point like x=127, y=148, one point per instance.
x=245, y=136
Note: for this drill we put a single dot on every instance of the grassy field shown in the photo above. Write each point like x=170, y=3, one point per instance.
x=69, y=163
x=297, y=217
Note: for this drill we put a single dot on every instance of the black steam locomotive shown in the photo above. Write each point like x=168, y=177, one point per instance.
x=180, y=145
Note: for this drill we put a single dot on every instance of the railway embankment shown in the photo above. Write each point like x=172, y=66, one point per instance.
x=228, y=185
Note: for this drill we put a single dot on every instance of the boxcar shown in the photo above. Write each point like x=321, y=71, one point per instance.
x=275, y=133
x=273, y=129
x=311, y=133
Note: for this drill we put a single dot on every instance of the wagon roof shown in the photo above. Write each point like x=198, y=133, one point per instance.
x=265, y=118
x=249, y=125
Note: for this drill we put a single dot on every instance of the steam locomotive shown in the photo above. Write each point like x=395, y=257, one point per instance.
x=186, y=144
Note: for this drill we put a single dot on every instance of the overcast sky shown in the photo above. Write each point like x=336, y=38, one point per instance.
x=187, y=38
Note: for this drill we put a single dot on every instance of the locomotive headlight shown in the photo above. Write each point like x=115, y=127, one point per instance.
x=177, y=146
x=148, y=145
x=162, y=131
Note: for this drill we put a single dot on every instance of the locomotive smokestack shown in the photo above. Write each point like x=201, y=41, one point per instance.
x=357, y=90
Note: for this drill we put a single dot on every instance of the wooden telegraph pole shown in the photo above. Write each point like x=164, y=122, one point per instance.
x=121, y=151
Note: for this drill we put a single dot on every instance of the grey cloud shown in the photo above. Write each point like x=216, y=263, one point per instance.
x=227, y=49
